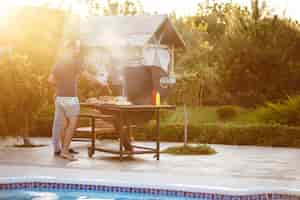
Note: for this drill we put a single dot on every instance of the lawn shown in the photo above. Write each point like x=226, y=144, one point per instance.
x=206, y=127
x=207, y=115
x=196, y=115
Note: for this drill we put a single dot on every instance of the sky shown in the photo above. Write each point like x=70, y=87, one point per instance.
x=181, y=7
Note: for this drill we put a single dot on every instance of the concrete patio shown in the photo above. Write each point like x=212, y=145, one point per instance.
x=233, y=168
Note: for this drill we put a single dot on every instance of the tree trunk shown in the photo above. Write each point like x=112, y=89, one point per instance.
x=3, y=127
x=201, y=92
x=201, y=95
x=25, y=136
x=3, y=124
x=185, y=124
x=200, y=101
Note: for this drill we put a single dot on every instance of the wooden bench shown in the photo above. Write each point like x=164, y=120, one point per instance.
x=99, y=126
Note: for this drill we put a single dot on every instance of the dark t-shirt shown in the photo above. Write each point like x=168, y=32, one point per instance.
x=66, y=75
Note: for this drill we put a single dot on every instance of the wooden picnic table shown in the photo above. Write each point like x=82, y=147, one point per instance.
x=123, y=116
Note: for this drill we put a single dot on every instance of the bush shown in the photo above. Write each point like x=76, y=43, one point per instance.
x=227, y=112
x=190, y=150
x=285, y=113
x=256, y=134
x=23, y=89
x=43, y=121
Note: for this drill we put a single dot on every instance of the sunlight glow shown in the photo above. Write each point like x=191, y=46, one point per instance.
x=288, y=8
x=4, y=11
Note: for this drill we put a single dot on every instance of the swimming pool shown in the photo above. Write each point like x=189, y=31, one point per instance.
x=51, y=191
x=68, y=191
x=38, y=194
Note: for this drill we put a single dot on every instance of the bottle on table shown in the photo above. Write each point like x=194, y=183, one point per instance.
x=157, y=101
x=155, y=98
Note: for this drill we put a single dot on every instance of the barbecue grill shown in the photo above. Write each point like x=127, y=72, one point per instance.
x=139, y=82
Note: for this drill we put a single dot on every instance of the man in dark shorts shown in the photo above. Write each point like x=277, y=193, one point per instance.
x=64, y=77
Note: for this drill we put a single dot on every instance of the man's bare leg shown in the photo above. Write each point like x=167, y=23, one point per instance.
x=58, y=124
x=63, y=131
x=72, y=123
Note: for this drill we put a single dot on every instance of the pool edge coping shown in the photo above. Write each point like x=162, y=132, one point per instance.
x=172, y=187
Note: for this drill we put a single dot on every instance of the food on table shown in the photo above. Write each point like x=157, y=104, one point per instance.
x=109, y=100
x=92, y=100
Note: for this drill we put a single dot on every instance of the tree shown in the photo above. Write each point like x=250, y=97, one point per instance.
x=115, y=8
x=198, y=58
x=256, y=57
x=251, y=53
x=25, y=68
x=127, y=8
x=22, y=90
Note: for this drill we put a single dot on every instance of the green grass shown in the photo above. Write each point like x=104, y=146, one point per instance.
x=190, y=150
x=197, y=115
x=207, y=115
x=246, y=116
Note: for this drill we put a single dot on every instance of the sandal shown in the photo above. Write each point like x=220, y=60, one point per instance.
x=72, y=151
x=67, y=157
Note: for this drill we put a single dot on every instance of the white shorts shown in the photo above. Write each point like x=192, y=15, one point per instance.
x=68, y=106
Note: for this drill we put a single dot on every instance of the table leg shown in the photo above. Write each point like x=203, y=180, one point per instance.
x=158, y=135
x=93, y=145
x=121, y=130
x=126, y=135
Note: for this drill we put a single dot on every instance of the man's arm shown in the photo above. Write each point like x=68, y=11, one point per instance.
x=51, y=79
x=94, y=80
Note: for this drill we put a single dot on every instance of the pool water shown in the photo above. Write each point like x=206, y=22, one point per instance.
x=80, y=195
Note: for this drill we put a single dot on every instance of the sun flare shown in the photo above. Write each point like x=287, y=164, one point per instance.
x=180, y=7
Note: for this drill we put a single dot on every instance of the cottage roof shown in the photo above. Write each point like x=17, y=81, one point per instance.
x=100, y=31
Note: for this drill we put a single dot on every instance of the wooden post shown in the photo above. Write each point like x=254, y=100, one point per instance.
x=157, y=135
x=172, y=59
x=94, y=137
x=26, y=139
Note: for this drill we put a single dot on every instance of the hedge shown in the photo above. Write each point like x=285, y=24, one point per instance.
x=221, y=133
x=259, y=134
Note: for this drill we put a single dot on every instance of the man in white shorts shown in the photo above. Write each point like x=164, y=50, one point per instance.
x=64, y=77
